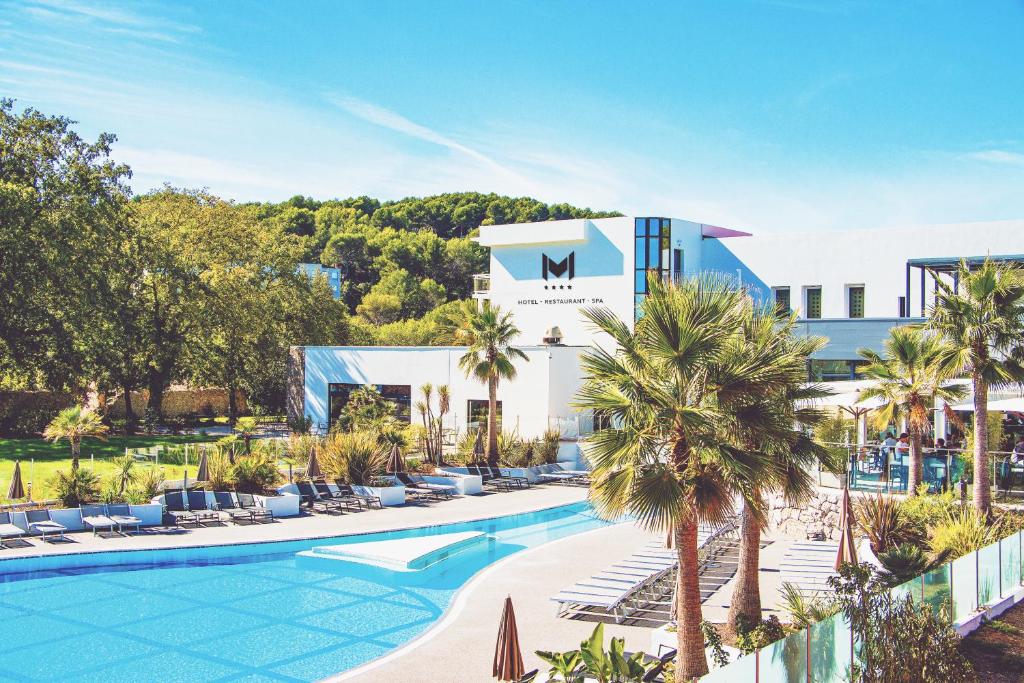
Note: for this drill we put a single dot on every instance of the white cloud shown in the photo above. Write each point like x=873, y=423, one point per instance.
x=998, y=156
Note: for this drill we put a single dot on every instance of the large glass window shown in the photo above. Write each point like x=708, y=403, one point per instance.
x=652, y=253
x=812, y=308
x=400, y=395
x=834, y=370
x=476, y=414
x=782, y=303
x=855, y=296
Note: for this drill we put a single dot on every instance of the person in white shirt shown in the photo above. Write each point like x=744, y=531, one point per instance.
x=1018, y=452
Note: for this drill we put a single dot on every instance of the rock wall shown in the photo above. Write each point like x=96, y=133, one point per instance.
x=819, y=514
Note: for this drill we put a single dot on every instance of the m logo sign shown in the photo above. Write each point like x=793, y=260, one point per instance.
x=558, y=268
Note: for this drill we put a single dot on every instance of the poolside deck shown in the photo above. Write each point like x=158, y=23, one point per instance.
x=314, y=526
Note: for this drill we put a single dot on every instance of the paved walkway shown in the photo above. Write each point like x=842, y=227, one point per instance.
x=460, y=648
x=315, y=526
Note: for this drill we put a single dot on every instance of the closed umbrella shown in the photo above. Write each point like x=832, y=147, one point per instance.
x=203, y=471
x=396, y=463
x=313, y=470
x=508, y=659
x=478, y=446
x=16, y=490
x=847, y=549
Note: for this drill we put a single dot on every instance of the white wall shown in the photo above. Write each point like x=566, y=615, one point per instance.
x=526, y=400
x=874, y=258
x=603, y=250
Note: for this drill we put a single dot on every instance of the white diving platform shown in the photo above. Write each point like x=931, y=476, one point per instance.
x=403, y=555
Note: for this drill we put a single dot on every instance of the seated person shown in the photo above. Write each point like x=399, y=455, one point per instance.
x=1017, y=457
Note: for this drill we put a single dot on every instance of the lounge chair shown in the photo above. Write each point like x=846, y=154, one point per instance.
x=808, y=566
x=122, y=515
x=436, y=490
x=368, y=500
x=325, y=492
x=315, y=501
x=40, y=522
x=95, y=517
x=174, y=501
x=554, y=474
x=521, y=482
x=8, y=529
x=488, y=479
x=247, y=501
x=198, y=506
x=226, y=505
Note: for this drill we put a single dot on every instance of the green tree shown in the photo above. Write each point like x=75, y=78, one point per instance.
x=488, y=332
x=907, y=378
x=773, y=423
x=981, y=318
x=673, y=388
x=379, y=308
x=72, y=425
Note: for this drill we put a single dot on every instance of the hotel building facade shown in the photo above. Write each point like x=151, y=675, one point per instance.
x=850, y=287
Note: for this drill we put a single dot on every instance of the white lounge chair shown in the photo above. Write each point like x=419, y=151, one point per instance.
x=40, y=522
x=8, y=529
x=123, y=517
x=808, y=566
x=95, y=517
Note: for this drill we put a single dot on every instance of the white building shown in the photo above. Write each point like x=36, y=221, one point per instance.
x=851, y=287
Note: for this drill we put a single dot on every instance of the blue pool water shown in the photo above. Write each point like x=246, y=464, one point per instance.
x=249, y=613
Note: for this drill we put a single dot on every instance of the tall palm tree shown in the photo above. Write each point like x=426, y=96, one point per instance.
x=772, y=424
x=74, y=424
x=671, y=388
x=488, y=332
x=981, y=317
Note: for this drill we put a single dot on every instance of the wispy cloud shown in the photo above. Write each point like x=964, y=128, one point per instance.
x=998, y=156
x=110, y=19
x=386, y=118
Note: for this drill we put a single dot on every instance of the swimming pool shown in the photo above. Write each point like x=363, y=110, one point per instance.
x=234, y=613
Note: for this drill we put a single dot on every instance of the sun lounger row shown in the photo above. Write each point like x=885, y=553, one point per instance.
x=192, y=507
x=494, y=478
x=641, y=579
x=99, y=518
x=555, y=473
x=808, y=566
x=323, y=497
x=417, y=487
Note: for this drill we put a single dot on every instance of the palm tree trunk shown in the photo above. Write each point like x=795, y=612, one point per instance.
x=746, y=597
x=492, y=422
x=982, y=484
x=691, y=661
x=76, y=451
x=916, y=469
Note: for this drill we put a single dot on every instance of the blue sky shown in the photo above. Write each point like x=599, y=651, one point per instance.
x=764, y=114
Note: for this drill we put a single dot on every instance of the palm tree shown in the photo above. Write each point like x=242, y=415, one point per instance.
x=672, y=388
x=981, y=317
x=772, y=424
x=74, y=424
x=488, y=332
x=907, y=379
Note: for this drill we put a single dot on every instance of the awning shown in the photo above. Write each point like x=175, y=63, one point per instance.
x=1004, y=405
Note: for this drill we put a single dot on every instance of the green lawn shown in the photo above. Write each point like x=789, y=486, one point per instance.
x=50, y=457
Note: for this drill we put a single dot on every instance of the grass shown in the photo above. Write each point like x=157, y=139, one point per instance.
x=50, y=457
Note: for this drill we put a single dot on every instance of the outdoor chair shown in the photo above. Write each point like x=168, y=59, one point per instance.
x=95, y=517
x=174, y=501
x=315, y=502
x=40, y=522
x=226, y=505
x=520, y=482
x=325, y=492
x=247, y=501
x=488, y=479
x=366, y=498
x=198, y=506
x=123, y=517
x=8, y=529
x=437, y=491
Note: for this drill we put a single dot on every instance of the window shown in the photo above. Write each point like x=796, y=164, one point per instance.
x=400, y=395
x=782, y=303
x=903, y=307
x=476, y=414
x=855, y=301
x=651, y=253
x=677, y=265
x=834, y=370
x=812, y=308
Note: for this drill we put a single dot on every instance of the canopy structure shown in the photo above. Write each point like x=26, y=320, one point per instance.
x=1003, y=405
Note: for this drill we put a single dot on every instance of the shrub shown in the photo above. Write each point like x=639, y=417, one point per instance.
x=255, y=473
x=903, y=563
x=592, y=662
x=354, y=457
x=713, y=642
x=221, y=473
x=147, y=485
x=804, y=611
x=962, y=532
x=754, y=636
x=74, y=487
x=926, y=510
x=547, y=447
x=884, y=522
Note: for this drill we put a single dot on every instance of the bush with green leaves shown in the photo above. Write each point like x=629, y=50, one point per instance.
x=547, y=447
x=902, y=563
x=354, y=457
x=883, y=521
x=255, y=473
x=962, y=532
x=221, y=473
x=592, y=662
x=754, y=636
x=805, y=611
x=76, y=486
x=925, y=510
x=147, y=485
x=899, y=640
